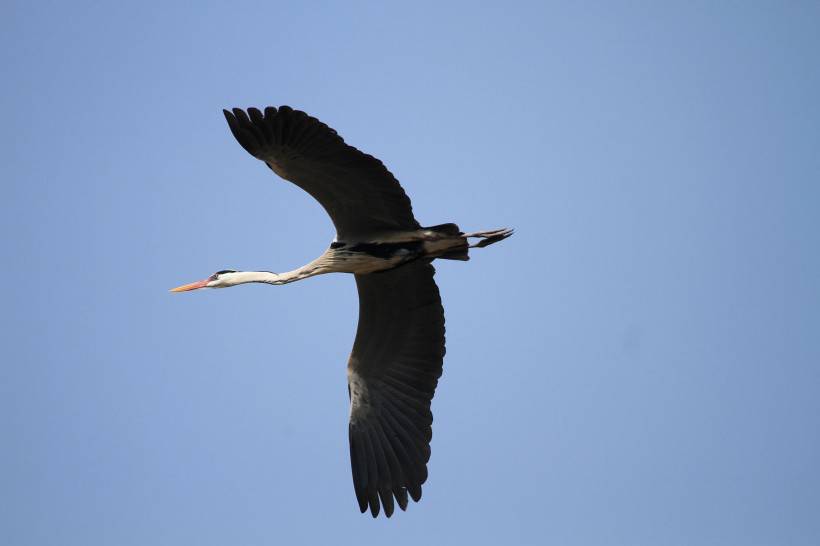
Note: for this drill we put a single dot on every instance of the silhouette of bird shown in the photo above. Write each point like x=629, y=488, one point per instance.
x=398, y=352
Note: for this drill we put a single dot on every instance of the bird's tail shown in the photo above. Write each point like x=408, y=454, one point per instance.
x=488, y=237
x=461, y=250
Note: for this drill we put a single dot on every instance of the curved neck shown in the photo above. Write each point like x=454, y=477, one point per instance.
x=315, y=267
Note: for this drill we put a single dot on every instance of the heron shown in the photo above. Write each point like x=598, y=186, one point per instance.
x=398, y=352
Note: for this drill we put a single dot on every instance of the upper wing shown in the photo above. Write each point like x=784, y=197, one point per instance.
x=392, y=375
x=356, y=190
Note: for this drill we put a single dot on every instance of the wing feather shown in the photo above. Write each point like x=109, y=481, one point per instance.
x=392, y=375
x=358, y=192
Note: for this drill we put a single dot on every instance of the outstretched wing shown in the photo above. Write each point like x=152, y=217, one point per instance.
x=356, y=189
x=392, y=375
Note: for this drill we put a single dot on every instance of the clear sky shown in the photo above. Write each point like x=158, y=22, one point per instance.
x=638, y=365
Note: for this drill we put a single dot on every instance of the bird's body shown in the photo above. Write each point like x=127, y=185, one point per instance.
x=399, y=348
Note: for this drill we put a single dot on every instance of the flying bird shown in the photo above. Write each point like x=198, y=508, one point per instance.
x=398, y=352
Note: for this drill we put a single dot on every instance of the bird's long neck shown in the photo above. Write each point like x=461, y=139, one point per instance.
x=316, y=267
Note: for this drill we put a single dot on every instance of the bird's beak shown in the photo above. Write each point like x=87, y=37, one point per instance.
x=192, y=286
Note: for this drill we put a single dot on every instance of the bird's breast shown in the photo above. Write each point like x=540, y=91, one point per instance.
x=363, y=258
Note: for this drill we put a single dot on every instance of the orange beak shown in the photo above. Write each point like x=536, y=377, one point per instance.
x=192, y=286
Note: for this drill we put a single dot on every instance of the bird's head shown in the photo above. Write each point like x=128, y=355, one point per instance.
x=220, y=279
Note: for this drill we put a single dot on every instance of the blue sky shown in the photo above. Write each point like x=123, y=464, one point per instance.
x=637, y=365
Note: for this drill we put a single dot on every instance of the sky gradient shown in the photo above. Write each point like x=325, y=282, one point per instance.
x=638, y=365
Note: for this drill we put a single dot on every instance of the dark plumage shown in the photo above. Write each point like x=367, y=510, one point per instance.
x=393, y=372
x=358, y=192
